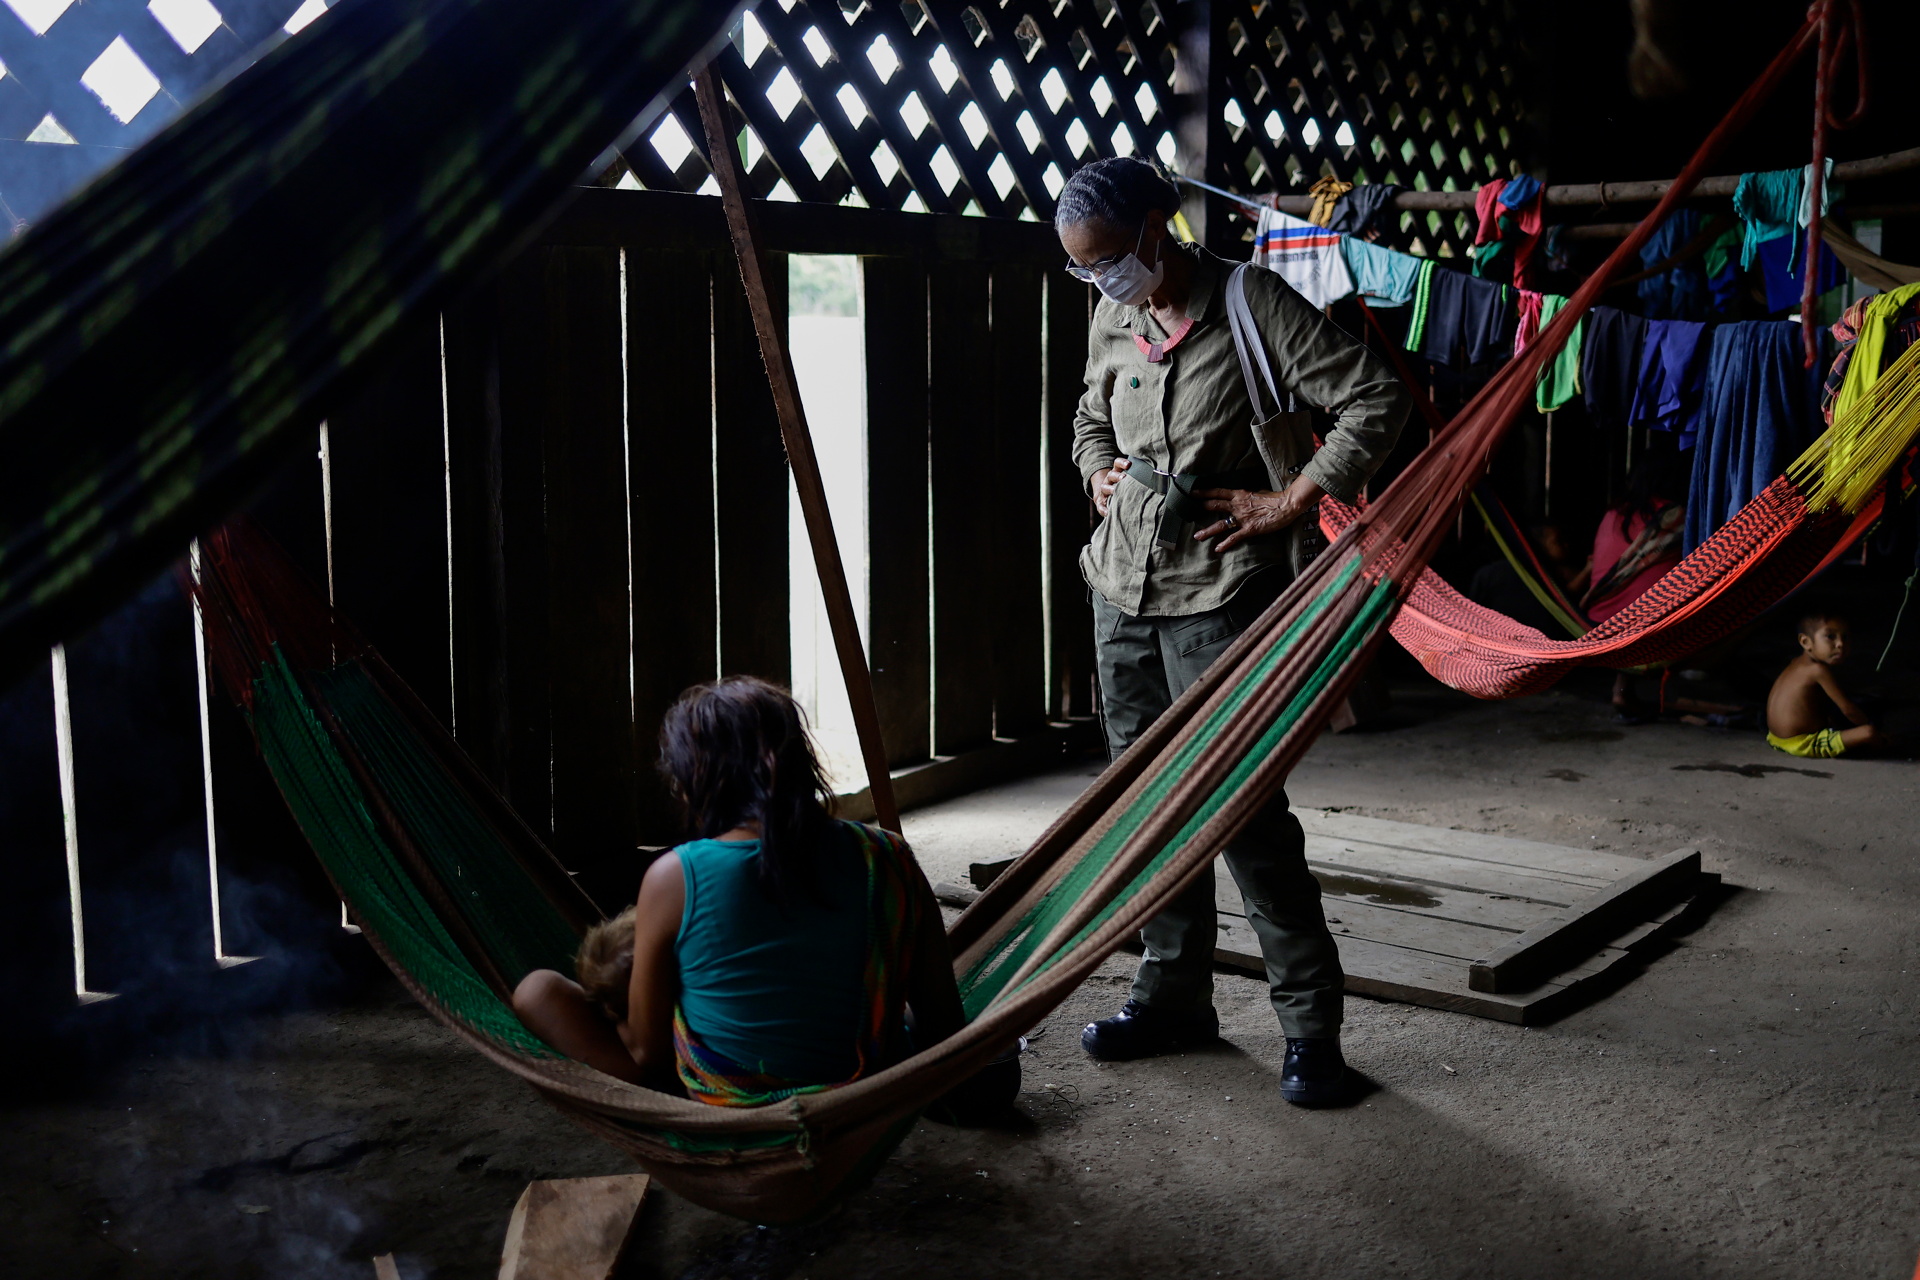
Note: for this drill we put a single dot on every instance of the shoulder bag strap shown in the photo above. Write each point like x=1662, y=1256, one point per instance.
x=1251, y=349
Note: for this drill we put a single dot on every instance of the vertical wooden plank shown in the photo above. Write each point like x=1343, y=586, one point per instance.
x=36, y=957
x=961, y=451
x=898, y=636
x=1016, y=500
x=526, y=662
x=670, y=432
x=389, y=515
x=478, y=564
x=584, y=459
x=1069, y=513
x=751, y=484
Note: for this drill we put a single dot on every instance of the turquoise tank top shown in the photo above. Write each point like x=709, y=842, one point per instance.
x=780, y=990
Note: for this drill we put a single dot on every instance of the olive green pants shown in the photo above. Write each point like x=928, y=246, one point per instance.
x=1144, y=663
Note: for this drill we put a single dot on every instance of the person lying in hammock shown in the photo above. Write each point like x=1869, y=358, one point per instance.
x=774, y=952
x=1800, y=709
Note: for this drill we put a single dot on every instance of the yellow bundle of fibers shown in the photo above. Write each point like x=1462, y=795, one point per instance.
x=1868, y=435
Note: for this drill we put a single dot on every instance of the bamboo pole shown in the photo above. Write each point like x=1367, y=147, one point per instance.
x=725, y=160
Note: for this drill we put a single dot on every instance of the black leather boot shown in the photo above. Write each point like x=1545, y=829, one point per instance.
x=1140, y=1032
x=1314, y=1074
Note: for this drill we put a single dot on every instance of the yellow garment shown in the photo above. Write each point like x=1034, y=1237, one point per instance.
x=1822, y=744
x=1325, y=194
x=1870, y=348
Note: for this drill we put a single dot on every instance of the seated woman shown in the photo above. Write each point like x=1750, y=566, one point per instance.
x=748, y=965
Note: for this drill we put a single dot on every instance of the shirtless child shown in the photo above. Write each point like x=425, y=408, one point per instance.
x=1798, y=710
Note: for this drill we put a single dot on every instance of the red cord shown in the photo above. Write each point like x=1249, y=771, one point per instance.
x=1839, y=28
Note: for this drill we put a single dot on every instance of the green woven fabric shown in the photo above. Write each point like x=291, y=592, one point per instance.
x=181, y=325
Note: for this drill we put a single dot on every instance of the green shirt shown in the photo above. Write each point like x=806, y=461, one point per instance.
x=1190, y=413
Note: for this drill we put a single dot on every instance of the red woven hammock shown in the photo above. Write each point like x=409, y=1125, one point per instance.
x=1766, y=551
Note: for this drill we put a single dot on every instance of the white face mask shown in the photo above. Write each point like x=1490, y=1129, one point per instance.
x=1129, y=281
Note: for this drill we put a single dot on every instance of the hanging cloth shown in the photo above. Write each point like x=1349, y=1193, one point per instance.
x=1560, y=378
x=1468, y=321
x=1383, y=277
x=1679, y=293
x=1870, y=350
x=1422, y=302
x=1324, y=194
x=1527, y=325
x=1361, y=207
x=1776, y=204
x=1781, y=270
x=1610, y=364
x=1868, y=267
x=1305, y=256
x=1503, y=208
x=1757, y=415
x=1672, y=371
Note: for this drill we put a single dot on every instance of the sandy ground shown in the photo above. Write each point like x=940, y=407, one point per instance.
x=1745, y=1106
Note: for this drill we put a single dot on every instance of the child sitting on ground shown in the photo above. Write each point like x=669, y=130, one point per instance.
x=1800, y=708
x=774, y=953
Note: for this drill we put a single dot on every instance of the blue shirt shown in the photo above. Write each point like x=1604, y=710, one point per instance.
x=1382, y=276
x=780, y=990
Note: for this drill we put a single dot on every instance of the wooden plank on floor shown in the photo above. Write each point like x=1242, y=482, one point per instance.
x=573, y=1228
x=1338, y=888
x=1534, y=855
x=965, y=595
x=670, y=487
x=1015, y=501
x=1553, y=942
x=1364, y=859
x=899, y=637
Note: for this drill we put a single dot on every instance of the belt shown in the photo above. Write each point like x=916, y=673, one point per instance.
x=1176, y=488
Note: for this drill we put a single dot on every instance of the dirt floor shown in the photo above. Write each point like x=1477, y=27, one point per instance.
x=1746, y=1105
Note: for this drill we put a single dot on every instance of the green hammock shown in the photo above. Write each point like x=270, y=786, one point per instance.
x=185, y=321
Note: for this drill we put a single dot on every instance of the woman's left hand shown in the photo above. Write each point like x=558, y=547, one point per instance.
x=1253, y=513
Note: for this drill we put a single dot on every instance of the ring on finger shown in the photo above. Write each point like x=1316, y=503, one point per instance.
x=1232, y=523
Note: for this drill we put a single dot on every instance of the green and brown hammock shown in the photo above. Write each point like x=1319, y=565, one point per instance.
x=109, y=474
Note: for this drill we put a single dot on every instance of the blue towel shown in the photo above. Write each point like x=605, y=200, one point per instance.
x=1769, y=203
x=1384, y=277
x=1672, y=367
x=1679, y=294
x=1760, y=409
x=1779, y=266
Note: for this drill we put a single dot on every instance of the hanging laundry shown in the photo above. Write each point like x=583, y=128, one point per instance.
x=1868, y=267
x=1324, y=194
x=1775, y=204
x=1466, y=321
x=1873, y=332
x=1560, y=376
x=1756, y=416
x=1722, y=268
x=1361, y=207
x=1610, y=364
x=1780, y=263
x=1680, y=292
x=1305, y=256
x=1384, y=277
x=1671, y=381
x=1509, y=214
x=1527, y=324
x=1422, y=300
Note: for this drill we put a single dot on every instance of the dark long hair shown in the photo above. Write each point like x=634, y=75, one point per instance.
x=736, y=751
x=1120, y=191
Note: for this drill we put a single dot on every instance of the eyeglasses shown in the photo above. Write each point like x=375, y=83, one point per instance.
x=1093, y=273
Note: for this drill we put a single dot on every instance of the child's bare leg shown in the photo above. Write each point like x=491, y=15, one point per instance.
x=554, y=1007
x=1864, y=737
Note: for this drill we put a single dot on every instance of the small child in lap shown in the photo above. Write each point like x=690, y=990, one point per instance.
x=744, y=966
x=1800, y=710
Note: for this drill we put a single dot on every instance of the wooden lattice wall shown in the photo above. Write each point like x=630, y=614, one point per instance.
x=985, y=108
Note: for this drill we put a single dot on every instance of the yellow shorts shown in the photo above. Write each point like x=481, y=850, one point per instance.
x=1822, y=744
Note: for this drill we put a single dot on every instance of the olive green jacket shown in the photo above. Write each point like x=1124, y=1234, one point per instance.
x=1190, y=413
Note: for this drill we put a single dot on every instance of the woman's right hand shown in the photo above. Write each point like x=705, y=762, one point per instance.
x=1106, y=482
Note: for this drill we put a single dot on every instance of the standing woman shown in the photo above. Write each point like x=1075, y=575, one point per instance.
x=1204, y=502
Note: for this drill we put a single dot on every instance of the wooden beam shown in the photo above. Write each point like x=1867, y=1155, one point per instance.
x=1549, y=945
x=800, y=456
x=1587, y=194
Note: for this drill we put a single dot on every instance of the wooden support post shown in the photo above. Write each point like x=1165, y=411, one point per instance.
x=574, y=1229
x=725, y=160
x=1199, y=126
x=898, y=634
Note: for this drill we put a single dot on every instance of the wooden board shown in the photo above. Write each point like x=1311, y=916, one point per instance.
x=962, y=471
x=1417, y=910
x=573, y=1229
x=1014, y=499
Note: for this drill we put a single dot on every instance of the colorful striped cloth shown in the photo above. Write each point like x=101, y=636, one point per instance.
x=897, y=897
